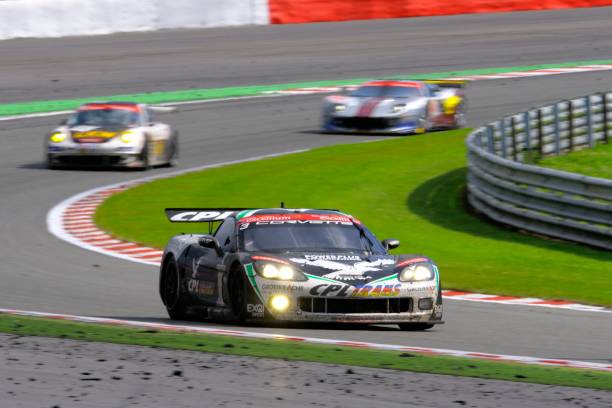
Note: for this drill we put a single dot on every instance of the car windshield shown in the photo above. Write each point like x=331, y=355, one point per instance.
x=104, y=117
x=387, y=91
x=313, y=235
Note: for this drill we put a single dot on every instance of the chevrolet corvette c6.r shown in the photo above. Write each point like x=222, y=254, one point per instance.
x=396, y=107
x=113, y=134
x=294, y=265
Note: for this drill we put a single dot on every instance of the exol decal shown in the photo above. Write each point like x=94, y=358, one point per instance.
x=255, y=309
x=326, y=289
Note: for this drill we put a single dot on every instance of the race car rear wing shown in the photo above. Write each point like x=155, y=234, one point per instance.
x=209, y=215
x=200, y=214
x=447, y=83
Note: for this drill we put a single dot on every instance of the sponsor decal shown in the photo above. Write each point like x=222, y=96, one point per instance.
x=201, y=288
x=280, y=287
x=94, y=134
x=199, y=216
x=255, y=309
x=345, y=272
x=337, y=290
x=297, y=218
x=332, y=257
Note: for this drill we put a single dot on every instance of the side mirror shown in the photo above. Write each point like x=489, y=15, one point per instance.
x=390, y=243
x=208, y=241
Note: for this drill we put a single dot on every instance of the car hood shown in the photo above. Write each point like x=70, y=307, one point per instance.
x=376, y=107
x=95, y=134
x=353, y=269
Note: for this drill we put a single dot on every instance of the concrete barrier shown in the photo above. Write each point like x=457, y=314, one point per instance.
x=308, y=11
x=60, y=18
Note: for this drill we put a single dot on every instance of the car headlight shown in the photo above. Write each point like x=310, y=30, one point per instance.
x=278, y=271
x=339, y=108
x=129, y=136
x=417, y=272
x=57, y=137
x=399, y=108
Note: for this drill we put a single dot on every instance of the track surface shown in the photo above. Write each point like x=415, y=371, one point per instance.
x=39, y=372
x=42, y=273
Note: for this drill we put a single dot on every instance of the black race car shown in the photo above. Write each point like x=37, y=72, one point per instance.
x=294, y=265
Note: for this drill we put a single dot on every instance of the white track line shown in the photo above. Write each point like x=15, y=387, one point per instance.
x=548, y=362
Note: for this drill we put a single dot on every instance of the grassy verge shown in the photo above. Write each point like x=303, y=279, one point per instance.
x=282, y=349
x=595, y=162
x=410, y=188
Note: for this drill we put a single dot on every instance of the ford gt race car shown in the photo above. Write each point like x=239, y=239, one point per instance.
x=396, y=107
x=113, y=134
x=294, y=265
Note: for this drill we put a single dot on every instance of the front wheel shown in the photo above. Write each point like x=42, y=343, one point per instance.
x=145, y=157
x=237, y=292
x=415, y=326
x=173, y=293
x=174, y=151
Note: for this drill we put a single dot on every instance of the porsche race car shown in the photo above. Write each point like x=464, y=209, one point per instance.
x=396, y=107
x=294, y=265
x=111, y=134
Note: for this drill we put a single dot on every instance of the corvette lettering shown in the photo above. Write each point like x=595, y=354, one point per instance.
x=335, y=290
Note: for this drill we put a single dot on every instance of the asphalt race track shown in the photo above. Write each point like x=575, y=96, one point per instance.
x=39, y=272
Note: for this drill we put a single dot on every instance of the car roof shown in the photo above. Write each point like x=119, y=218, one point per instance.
x=406, y=84
x=132, y=106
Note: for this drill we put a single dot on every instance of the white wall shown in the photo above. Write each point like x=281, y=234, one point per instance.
x=59, y=18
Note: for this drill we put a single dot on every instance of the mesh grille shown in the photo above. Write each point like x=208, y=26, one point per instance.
x=355, y=306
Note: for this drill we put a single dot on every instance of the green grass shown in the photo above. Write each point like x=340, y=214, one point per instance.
x=410, y=188
x=595, y=162
x=283, y=349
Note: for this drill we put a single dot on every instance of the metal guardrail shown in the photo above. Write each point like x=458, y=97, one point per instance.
x=504, y=187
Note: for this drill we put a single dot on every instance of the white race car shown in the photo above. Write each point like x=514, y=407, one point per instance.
x=113, y=134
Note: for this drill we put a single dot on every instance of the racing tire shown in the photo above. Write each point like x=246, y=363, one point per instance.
x=415, y=326
x=460, y=120
x=144, y=157
x=238, y=294
x=174, y=152
x=174, y=298
x=50, y=164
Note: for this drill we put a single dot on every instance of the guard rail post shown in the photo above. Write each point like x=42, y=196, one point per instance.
x=570, y=122
x=540, y=133
x=513, y=135
x=589, y=122
x=604, y=99
x=557, y=130
x=491, y=139
x=527, y=133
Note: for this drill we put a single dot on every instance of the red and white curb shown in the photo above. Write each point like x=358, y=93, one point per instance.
x=72, y=220
x=549, y=362
x=482, y=77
